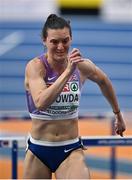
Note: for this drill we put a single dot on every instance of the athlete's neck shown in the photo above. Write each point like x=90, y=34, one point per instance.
x=56, y=65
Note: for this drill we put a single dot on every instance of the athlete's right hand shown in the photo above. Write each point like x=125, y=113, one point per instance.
x=74, y=58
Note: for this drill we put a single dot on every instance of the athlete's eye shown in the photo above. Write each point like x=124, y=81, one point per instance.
x=54, y=41
x=65, y=41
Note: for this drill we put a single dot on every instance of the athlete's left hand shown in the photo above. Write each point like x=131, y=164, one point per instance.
x=120, y=126
x=74, y=58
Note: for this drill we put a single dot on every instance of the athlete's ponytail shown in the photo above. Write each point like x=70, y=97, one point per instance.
x=55, y=22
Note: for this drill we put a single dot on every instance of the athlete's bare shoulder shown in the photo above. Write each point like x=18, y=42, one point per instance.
x=35, y=62
x=35, y=66
x=87, y=68
x=34, y=70
x=90, y=71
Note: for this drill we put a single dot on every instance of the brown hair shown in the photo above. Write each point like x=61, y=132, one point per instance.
x=55, y=22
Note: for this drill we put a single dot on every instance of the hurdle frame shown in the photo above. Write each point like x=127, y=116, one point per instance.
x=13, y=143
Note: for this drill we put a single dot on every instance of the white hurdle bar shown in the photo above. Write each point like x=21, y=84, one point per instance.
x=107, y=140
x=18, y=142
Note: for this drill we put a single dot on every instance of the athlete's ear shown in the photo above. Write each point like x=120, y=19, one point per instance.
x=44, y=39
x=43, y=43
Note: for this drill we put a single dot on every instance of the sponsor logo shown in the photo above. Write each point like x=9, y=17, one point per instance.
x=68, y=150
x=74, y=86
x=51, y=78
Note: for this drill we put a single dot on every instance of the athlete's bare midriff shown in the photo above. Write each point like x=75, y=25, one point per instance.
x=56, y=130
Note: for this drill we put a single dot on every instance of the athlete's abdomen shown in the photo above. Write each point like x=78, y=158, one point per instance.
x=54, y=130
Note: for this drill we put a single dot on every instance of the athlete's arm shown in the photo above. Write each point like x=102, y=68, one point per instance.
x=44, y=96
x=92, y=72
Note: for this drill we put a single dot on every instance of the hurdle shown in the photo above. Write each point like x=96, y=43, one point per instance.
x=15, y=143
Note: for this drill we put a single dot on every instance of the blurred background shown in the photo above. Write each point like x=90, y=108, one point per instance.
x=102, y=30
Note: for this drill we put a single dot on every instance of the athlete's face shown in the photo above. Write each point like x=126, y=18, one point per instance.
x=58, y=42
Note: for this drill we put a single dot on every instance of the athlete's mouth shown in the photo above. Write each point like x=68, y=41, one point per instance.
x=60, y=53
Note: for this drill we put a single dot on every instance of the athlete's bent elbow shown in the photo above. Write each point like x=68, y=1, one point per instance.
x=103, y=80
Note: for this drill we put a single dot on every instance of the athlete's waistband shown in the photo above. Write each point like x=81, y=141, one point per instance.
x=49, y=143
x=54, y=117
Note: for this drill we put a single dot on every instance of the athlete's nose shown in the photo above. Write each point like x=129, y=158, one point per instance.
x=60, y=46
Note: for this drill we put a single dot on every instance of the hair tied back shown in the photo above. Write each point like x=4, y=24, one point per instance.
x=52, y=17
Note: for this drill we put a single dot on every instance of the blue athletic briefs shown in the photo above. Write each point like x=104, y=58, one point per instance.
x=53, y=156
